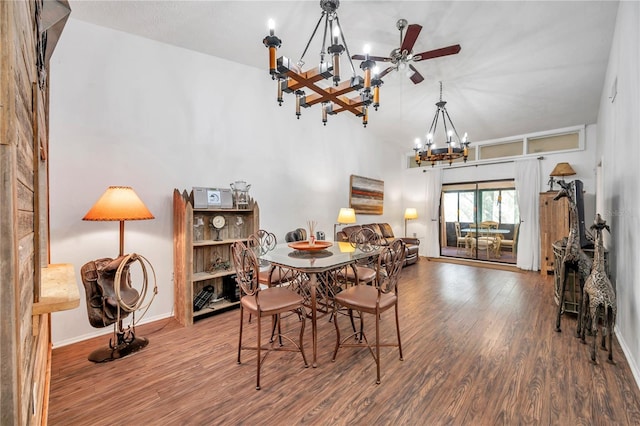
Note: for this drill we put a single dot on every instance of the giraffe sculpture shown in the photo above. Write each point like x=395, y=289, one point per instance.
x=574, y=257
x=599, y=300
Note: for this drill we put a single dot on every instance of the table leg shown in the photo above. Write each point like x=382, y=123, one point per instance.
x=313, y=281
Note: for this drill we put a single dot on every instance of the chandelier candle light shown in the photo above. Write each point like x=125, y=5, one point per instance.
x=291, y=78
x=455, y=149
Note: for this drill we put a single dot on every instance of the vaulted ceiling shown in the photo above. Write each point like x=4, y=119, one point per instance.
x=525, y=66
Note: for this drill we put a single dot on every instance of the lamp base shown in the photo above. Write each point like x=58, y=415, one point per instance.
x=123, y=349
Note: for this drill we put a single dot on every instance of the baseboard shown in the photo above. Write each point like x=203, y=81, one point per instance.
x=629, y=356
x=478, y=263
x=107, y=331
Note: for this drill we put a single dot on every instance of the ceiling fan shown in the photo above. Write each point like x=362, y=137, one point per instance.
x=401, y=57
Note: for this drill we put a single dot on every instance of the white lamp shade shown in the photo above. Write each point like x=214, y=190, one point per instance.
x=346, y=215
x=410, y=213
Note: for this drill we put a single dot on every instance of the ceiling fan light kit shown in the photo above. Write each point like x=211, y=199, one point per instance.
x=401, y=57
x=292, y=79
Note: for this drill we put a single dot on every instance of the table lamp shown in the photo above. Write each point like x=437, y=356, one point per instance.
x=409, y=213
x=562, y=170
x=119, y=203
x=345, y=216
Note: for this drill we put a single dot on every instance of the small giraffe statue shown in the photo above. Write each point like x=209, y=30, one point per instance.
x=599, y=296
x=574, y=257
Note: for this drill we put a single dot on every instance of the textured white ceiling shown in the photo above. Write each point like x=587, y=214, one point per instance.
x=525, y=66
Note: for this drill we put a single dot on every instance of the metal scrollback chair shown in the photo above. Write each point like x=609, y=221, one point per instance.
x=268, y=302
x=374, y=299
x=263, y=242
x=365, y=240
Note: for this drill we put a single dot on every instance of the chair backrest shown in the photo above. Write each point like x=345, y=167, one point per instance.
x=299, y=234
x=366, y=240
x=489, y=224
x=457, y=225
x=389, y=265
x=247, y=268
x=262, y=241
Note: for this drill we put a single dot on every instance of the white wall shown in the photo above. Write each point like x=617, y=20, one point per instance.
x=130, y=111
x=619, y=154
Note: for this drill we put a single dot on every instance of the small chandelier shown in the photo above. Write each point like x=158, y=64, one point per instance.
x=456, y=147
x=291, y=78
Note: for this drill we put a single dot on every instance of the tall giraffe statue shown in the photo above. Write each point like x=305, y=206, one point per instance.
x=599, y=296
x=574, y=257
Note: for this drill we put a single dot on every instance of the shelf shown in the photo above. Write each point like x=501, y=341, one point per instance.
x=214, y=308
x=202, y=276
x=59, y=289
x=193, y=260
x=224, y=210
x=206, y=243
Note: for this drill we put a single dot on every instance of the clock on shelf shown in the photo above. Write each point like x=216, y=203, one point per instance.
x=218, y=222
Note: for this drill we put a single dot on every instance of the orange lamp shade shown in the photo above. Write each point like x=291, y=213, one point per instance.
x=118, y=203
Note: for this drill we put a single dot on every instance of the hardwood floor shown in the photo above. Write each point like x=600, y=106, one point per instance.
x=479, y=348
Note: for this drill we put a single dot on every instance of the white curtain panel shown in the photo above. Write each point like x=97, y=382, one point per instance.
x=527, y=190
x=432, y=197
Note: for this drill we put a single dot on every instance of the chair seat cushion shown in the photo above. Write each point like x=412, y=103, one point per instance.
x=272, y=300
x=278, y=276
x=364, y=297
x=365, y=275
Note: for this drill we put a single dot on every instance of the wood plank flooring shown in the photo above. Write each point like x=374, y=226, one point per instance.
x=479, y=349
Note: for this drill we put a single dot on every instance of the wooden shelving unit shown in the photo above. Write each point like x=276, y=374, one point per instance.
x=554, y=226
x=198, y=263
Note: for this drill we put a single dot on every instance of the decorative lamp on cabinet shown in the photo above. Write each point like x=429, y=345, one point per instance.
x=562, y=170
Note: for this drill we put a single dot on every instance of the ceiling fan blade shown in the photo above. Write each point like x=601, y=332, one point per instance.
x=449, y=50
x=410, y=37
x=373, y=58
x=385, y=72
x=416, y=77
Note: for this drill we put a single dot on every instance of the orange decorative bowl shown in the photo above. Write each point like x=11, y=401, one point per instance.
x=306, y=245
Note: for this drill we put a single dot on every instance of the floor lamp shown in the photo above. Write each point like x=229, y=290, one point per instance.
x=345, y=217
x=409, y=213
x=119, y=203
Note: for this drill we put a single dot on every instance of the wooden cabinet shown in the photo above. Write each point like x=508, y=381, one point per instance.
x=202, y=255
x=554, y=225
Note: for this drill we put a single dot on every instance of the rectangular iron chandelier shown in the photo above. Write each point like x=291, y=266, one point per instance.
x=304, y=84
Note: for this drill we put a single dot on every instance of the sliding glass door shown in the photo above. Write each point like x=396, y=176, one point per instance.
x=479, y=221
